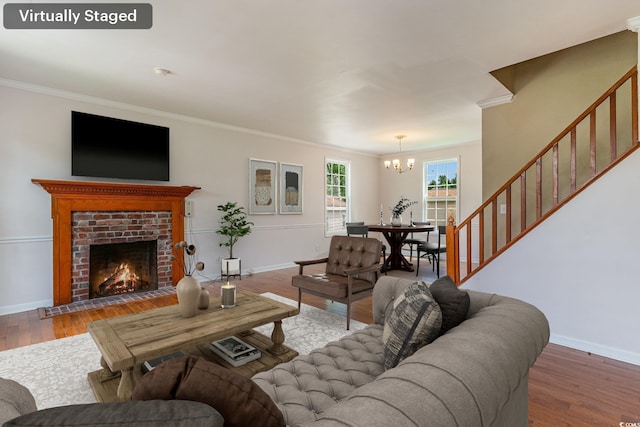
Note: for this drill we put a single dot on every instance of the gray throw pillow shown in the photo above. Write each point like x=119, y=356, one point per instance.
x=453, y=302
x=414, y=322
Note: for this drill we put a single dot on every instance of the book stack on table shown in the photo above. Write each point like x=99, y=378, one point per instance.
x=235, y=351
x=149, y=365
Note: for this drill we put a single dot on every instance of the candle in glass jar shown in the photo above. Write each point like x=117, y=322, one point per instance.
x=228, y=295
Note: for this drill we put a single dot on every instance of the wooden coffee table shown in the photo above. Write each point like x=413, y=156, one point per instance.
x=125, y=342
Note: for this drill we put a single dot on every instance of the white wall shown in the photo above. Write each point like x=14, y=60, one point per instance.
x=410, y=184
x=580, y=267
x=35, y=142
x=394, y=185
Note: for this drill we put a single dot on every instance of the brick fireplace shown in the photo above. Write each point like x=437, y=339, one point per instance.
x=102, y=240
x=86, y=213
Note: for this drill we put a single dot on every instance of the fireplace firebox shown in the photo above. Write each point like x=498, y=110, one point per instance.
x=122, y=268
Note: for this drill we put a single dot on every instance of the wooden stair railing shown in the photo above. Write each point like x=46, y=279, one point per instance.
x=573, y=160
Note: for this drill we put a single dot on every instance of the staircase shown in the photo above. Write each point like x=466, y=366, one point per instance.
x=601, y=137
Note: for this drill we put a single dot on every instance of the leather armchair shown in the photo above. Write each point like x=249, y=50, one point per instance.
x=352, y=269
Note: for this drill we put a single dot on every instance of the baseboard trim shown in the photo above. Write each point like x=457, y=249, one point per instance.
x=19, y=308
x=601, y=350
x=246, y=272
x=269, y=268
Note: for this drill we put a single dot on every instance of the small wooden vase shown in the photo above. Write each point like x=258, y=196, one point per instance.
x=188, y=292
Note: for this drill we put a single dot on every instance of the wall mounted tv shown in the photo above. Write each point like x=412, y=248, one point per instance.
x=114, y=148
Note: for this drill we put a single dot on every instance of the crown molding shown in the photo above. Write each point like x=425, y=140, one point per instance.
x=74, y=96
x=633, y=24
x=493, y=102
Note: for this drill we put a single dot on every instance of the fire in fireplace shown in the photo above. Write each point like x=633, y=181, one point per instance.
x=121, y=268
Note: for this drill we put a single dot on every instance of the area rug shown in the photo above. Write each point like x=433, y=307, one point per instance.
x=56, y=371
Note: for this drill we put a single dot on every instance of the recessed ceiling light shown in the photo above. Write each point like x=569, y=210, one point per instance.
x=161, y=71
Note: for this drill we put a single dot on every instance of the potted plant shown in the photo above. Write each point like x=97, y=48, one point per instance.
x=398, y=209
x=233, y=225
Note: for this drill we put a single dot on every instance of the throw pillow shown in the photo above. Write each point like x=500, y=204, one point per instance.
x=240, y=401
x=453, y=302
x=413, y=323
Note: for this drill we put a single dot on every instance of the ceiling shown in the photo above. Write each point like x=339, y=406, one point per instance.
x=349, y=73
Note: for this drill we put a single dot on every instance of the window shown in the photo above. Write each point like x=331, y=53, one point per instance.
x=441, y=191
x=337, y=197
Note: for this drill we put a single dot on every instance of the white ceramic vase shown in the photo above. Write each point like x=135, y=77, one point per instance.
x=188, y=292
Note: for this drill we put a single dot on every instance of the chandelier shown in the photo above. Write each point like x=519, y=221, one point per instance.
x=397, y=163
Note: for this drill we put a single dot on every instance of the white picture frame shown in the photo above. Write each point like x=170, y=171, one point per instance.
x=290, y=188
x=262, y=187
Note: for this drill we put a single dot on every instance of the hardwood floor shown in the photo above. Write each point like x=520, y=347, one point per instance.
x=566, y=387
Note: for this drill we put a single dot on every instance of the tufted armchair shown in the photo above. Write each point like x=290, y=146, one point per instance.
x=352, y=270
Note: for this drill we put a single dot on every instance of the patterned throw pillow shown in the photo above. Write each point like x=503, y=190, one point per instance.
x=414, y=322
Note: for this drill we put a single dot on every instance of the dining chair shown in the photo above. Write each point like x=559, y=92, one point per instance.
x=433, y=250
x=359, y=229
x=413, y=241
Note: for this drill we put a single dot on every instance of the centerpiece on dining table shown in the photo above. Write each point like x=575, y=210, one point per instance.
x=396, y=212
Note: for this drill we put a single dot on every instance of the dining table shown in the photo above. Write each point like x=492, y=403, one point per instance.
x=395, y=236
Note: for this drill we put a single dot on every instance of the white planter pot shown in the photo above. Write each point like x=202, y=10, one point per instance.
x=231, y=267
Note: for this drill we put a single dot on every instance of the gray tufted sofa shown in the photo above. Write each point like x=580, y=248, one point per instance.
x=475, y=375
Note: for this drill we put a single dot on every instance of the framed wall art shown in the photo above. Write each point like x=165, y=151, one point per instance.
x=290, y=188
x=262, y=186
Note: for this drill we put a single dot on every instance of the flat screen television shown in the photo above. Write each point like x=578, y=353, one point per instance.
x=115, y=148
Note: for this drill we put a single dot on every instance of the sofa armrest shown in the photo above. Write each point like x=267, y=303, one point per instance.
x=131, y=413
x=15, y=400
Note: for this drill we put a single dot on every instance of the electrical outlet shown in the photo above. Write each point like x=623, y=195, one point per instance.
x=188, y=208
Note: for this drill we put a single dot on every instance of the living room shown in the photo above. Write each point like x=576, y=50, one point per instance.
x=36, y=136
x=584, y=287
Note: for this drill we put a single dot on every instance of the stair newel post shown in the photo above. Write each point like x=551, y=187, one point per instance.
x=453, y=254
